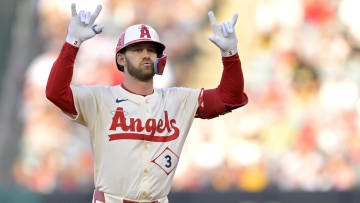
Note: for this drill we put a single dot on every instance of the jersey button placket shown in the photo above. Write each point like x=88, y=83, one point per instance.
x=146, y=155
x=147, y=107
x=146, y=148
x=144, y=195
x=144, y=185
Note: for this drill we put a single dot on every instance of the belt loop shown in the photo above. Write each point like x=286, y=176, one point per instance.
x=128, y=201
x=98, y=195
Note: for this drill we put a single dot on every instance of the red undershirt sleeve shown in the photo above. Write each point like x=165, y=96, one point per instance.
x=228, y=95
x=58, y=89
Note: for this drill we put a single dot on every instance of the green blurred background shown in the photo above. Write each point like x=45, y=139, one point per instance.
x=298, y=139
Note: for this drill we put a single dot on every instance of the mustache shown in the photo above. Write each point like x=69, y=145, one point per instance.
x=147, y=61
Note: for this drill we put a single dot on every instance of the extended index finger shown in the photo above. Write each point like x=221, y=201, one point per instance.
x=96, y=13
x=212, y=18
x=73, y=9
x=234, y=19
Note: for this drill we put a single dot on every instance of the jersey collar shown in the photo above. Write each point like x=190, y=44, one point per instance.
x=136, y=97
x=123, y=86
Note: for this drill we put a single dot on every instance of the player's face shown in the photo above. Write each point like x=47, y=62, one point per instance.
x=140, y=59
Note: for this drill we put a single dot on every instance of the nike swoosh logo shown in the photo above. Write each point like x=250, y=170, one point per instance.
x=120, y=100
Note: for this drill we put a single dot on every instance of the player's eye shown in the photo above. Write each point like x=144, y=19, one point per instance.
x=152, y=50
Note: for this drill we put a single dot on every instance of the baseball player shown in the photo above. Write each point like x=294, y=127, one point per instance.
x=138, y=131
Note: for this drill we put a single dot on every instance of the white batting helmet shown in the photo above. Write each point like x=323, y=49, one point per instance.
x=142, y=33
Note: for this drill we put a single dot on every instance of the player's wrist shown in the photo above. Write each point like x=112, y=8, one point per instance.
x=228, y=53
x=73, y=41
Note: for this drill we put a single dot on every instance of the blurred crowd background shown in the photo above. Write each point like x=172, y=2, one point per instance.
x=301, y=64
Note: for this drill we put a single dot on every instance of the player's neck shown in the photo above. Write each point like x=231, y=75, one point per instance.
x=138, y=87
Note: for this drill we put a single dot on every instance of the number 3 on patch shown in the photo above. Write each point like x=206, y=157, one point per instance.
x=167, y=160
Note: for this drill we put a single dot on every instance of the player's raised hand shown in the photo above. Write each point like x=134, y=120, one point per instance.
x=224, y=35
x=82, y=25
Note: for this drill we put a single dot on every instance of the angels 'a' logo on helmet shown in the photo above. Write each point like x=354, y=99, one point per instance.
x=144, y=32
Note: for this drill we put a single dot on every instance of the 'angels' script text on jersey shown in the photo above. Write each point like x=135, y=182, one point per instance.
x=135, y=129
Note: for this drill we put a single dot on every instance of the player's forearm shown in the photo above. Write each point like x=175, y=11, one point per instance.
x=58, y=88
x=231, y=88
x=228, y=95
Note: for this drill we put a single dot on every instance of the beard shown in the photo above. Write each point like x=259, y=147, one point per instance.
x=142, y=73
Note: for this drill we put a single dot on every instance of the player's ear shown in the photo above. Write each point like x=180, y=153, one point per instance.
x=120, y=59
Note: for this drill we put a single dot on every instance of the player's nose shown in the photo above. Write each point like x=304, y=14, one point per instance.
x=146, y=53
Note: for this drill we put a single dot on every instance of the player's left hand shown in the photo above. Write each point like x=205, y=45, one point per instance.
x=224, y=35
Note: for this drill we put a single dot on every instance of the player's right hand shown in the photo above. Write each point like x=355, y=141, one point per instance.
x=82, y=26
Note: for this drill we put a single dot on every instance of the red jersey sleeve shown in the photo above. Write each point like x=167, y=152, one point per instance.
x=228, y=95
x=58, y=89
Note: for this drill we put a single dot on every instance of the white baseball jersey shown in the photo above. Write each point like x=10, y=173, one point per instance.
x=136, y=140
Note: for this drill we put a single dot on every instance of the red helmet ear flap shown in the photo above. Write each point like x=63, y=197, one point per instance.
x=160, y=64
